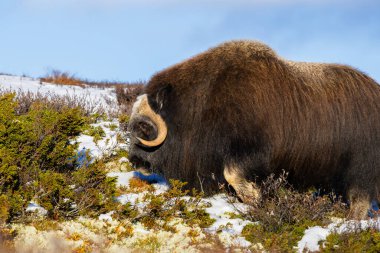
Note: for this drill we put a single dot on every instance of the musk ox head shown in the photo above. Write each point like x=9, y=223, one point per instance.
x=238, y=112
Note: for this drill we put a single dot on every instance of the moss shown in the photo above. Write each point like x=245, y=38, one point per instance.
x=234, y=215
x=7, y=236
x=46, y=225
x=112, y=126
x=359, y=241
x=84, y=248
x=4, y=208
x=124, y=231
x=161, y=209
x=124, y=119
x=150, y=244
x=96, y=117
x=283, y=240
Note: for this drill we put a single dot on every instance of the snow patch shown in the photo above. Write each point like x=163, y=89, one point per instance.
x=106, y=216
x=228, y=229
x=311, y=238
x=123, y=160
x=35, y=208
x=105, y=146
x=122, y=177
x=315, y=234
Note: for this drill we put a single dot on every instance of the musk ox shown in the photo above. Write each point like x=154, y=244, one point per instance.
x=238, y=113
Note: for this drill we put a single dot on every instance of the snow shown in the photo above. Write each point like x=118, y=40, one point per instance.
x=228, y=229
x=106, y=216
x=158, y=182
x=94, y=97
x=104, y=146
x=122, y=177
x=315, y=234
x=35, y=208
x=129, y=198
x=311, y=238
x=123, y=160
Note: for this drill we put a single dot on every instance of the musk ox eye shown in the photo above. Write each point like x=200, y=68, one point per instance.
x=162, y=96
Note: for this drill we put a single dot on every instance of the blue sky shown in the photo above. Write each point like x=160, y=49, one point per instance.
x=129, y=40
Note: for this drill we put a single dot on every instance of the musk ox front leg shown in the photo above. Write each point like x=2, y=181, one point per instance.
x=247, y=191
x=359, y=204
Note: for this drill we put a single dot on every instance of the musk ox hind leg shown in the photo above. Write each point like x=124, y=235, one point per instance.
x=363, y=181
x=247, y=191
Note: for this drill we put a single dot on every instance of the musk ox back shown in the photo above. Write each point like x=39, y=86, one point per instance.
x=238, y=113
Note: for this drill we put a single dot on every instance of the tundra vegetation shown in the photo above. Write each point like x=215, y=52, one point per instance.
x=39, y=163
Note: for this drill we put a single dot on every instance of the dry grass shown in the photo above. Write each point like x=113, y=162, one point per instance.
x=57, y=102
x=138, y=185
x=6, y=237
x=126, y=94
x=280, y=205
x=66, y=78
x=62, y=78
x=282, y=214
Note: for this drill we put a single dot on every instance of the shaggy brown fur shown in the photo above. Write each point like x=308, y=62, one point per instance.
x=241, y=106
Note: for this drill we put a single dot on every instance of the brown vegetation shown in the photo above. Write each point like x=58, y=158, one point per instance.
x=63, y=78
x=126, y=96
x=26, y=98
x=282, y=214
x=66, y=78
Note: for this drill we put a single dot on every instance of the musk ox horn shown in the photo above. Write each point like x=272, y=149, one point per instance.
x=142, y=108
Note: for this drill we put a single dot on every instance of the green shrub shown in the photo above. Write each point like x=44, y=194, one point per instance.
x=4, y=208
x=36, y=163
x=112, y=126
x=95, y=131
x=94, y=191
x=123, y=122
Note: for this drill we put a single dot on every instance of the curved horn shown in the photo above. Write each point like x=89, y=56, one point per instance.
x=144, y=109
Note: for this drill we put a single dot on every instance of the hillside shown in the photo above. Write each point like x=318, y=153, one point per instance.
x=142, y=213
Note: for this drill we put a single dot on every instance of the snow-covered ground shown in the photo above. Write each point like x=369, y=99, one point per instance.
x=220, y=207
x=91, y=96
x=316, y=234
x=103, y=231
x=105, y=146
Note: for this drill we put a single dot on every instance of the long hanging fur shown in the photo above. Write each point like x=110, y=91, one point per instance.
x=240, y=105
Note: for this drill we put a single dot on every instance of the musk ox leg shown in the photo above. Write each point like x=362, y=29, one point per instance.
x=247, y=191
x=359, y=204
